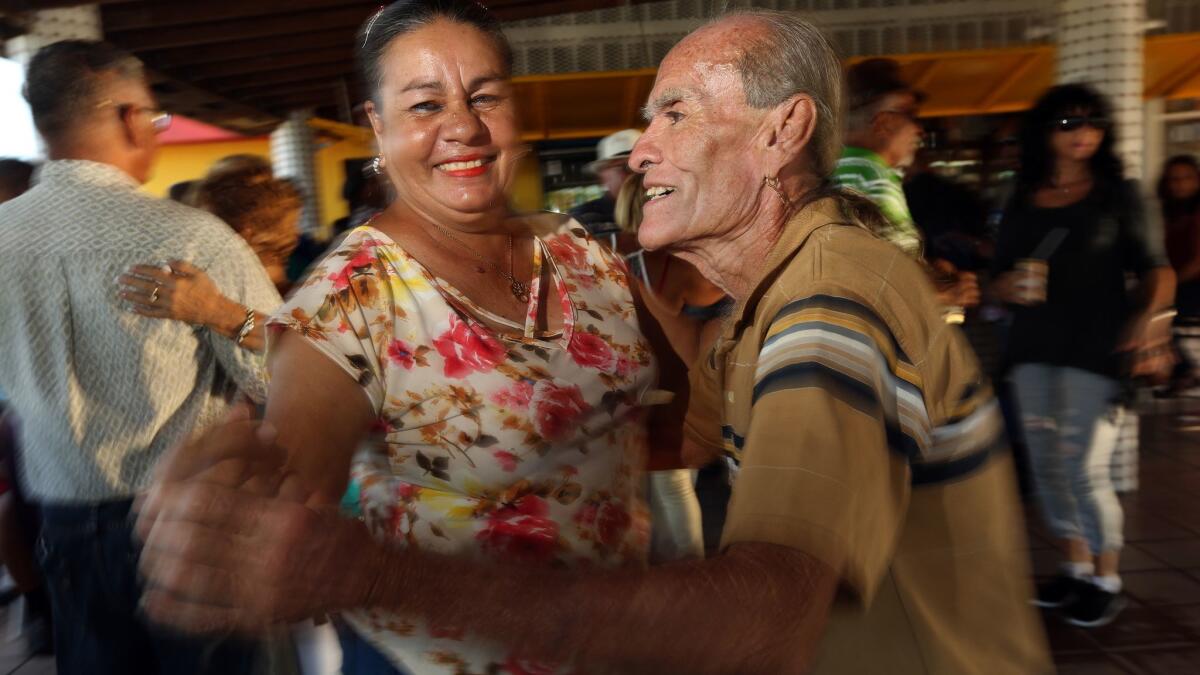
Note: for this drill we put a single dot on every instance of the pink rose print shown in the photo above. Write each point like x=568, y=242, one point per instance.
x=465, y=350
x=361, y=259
x=568, y=252
x=400, y=354
x=521, y=531
x=611, y=523
x=556, y=408
x=516, y=396
x=592, y=351
x=609, y=519
x=625, y=366
x=506, y=460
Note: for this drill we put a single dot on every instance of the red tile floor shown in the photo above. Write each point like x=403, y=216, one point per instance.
x=1159, y=634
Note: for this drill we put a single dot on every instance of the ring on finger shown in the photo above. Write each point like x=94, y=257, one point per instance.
x=154, y=294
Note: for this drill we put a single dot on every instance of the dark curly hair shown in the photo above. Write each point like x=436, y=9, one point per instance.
x=257, y=207
x=405, y=16
x=1037, y=158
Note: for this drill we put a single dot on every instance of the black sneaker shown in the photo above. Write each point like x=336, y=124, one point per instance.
x=1059, y=591
x=1094, y=607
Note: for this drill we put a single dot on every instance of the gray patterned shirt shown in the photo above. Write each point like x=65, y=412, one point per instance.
x=102, y=392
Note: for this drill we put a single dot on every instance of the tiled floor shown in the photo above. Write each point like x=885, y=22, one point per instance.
x=1160, y=632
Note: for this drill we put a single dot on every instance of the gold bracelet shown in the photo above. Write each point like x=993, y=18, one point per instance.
x=247, y=326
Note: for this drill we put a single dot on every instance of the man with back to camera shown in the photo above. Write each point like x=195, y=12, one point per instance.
x=101, y=391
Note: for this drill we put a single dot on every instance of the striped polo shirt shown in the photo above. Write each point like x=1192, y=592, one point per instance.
x=863, y=433
x=867, y=173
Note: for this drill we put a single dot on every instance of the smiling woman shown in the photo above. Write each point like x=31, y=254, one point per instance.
x=501, y=362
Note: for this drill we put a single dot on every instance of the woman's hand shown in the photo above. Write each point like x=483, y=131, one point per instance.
x=179, y=291
x=1147, y=341
x=1005, y=289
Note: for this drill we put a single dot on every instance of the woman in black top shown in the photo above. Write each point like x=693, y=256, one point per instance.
x=1072, y=233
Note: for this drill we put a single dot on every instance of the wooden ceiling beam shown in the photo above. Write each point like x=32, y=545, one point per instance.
x=329, y=72
x=238, y=29
x=244, y=49
x=140, y=15
x=312, y=57
x=33, y=5
x=265, y=93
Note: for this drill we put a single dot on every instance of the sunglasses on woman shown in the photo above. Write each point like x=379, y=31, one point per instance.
x=1073, y=122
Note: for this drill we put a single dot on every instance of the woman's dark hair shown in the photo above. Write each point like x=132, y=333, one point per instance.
x=406, y=16
x=1171, y=206
x=1037, y=158
x=256, y=206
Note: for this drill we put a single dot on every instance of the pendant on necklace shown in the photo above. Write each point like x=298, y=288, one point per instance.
x=520, y=291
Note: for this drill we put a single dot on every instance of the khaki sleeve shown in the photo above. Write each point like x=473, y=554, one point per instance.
x=819, y=468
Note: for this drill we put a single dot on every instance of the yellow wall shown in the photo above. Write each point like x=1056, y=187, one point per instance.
x=191, y=160
x=331, y=175
x=527, y=187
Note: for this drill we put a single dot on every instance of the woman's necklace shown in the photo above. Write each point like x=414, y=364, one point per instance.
x=1066, y=188
x=518, y=288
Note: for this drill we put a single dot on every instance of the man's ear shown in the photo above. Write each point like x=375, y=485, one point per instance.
x=792, y=125
x=136, y=135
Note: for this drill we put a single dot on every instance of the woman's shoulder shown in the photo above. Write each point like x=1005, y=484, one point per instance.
x=544, y=224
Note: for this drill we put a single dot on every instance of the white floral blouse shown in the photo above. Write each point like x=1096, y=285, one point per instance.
x=517, y=446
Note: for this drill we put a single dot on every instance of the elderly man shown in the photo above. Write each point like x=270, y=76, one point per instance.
x=873, y=526
x=102, y=392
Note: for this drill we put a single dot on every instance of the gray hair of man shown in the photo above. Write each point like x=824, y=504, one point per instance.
x=792, y=56
x=66, y=78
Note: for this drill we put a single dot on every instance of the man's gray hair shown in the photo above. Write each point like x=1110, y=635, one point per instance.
x=64, y=82
x=795, y=57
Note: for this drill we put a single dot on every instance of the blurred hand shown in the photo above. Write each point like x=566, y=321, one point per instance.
x=183, y=292
x=1147, y=342
x=966, y=289
x=1004, y=288
x=230, y=542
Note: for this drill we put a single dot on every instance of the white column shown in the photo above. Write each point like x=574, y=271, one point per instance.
x=47, y=26
x=293, y=151
x=1100, y=43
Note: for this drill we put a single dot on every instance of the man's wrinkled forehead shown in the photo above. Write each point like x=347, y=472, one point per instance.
x=696, y=72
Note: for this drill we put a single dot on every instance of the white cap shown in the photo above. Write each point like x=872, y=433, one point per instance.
x=613, y=146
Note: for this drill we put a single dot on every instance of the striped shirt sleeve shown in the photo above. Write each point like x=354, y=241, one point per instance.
x=835, y=406
x=887, y=193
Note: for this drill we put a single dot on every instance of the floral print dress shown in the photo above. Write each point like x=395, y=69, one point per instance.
x=497, y=445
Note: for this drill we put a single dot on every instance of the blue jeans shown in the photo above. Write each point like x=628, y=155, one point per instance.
x=1069, y=419
x=89, y=559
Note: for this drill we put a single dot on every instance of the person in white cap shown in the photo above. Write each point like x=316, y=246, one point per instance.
x=609, y=167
